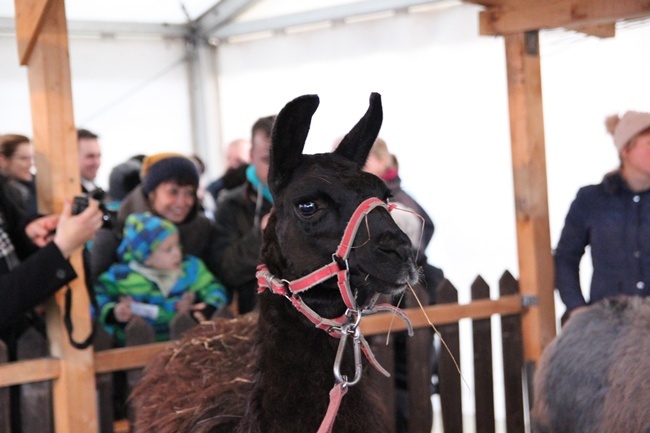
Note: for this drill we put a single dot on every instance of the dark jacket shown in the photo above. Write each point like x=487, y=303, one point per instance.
x=238, y=242
x=197, y=234
x=32, y=282
x=615, y=223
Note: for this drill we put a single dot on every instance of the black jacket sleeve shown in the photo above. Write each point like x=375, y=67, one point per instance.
x=32, y=282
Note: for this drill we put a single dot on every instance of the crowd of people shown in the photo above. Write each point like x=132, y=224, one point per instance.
x=173, y=245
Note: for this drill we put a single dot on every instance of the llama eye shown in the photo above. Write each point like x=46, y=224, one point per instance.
x=307, y=209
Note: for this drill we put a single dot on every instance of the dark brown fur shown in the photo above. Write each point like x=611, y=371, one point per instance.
x=280, y=380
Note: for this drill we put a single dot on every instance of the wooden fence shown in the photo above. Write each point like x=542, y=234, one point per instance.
x=35, y=372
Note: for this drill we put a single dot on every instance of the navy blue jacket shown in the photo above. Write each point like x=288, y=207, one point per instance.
x=615, y=223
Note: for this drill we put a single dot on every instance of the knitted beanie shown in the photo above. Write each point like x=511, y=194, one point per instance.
x=624, y=128
x=165, y=167
x=143, y=232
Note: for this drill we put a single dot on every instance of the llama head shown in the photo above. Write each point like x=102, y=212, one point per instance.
x=315, y=197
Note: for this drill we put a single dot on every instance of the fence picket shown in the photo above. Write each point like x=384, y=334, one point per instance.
x=513, y=355
x=137, y=332
x=450, y=380
x=35, y=398
x=5, y=424
x=483, y=377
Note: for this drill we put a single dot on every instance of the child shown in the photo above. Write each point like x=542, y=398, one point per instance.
x=153, y=279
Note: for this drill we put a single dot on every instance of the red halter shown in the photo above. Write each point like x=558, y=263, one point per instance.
x=348, y=323
x=344, y=325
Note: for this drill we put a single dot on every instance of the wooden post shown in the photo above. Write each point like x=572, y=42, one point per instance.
x=531, y=198
x=43, y=47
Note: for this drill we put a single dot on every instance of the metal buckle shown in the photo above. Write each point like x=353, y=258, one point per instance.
x=355, y=331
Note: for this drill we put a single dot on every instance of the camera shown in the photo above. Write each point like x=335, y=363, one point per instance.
x=80, y=203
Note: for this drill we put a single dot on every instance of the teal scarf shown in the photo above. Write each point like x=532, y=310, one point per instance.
x=251, y=176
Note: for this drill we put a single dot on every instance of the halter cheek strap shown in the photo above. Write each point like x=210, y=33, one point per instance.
x=348, y=322
x=346, y=325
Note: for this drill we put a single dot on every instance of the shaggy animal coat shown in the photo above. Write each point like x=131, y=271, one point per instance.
x=273, y=374
x=595, y=376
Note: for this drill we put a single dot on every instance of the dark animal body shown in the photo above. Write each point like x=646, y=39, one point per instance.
x=595, y=376
x=273, y=373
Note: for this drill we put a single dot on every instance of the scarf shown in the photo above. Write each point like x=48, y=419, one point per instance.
x=251, y=176
x=165, y=280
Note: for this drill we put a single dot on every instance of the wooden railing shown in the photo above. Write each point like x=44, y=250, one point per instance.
x=445, y=316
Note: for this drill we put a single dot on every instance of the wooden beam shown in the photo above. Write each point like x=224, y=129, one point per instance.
x=530, y=188
x=597, y=30
x=126, y=358
x=35, y=370
x=441, y=314
x=559, y=13
x=29, y=20
x=55, y=145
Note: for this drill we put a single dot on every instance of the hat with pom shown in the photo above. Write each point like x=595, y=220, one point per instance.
x=624, y=128
x=164, y=167
x=143, y=232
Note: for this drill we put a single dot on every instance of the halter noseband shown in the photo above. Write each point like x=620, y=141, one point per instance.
x=348, y=323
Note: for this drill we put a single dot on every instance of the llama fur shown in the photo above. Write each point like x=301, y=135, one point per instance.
x=595, y=376
x=272, y=372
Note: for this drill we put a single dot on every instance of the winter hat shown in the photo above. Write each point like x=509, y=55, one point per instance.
x=164, y=167
x=143, y=232
x=623, y=129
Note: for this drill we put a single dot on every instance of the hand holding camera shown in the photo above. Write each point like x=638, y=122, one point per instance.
x=74, y=230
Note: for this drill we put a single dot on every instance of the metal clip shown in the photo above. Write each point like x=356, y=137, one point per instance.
x=529, y=301
x=354, y=330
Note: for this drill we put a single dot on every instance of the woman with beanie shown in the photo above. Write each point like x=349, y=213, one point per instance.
x=613, y=218
x=168, y=189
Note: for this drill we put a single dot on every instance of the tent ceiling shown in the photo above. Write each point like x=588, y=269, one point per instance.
x=210, y=19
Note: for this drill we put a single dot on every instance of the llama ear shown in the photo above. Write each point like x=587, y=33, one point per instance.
x=288, y=138
x=357, y=143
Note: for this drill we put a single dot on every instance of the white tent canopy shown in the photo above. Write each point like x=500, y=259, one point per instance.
x=443, y=88
x=139, y=82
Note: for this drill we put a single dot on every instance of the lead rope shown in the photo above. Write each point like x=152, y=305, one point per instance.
x=336, y=395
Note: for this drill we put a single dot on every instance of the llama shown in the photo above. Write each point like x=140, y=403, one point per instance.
x=272, y=371
x=594, y=377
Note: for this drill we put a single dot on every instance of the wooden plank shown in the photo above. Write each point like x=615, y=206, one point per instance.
x=559, y=13
x=597, y=30
x=137, y=332
x=530, y=190
x=56, y=160
x=30, y=15
x=419, y=354
x=483, y=383
x=385, y=354
x=127, y=358
x=35, y=398
x=15, y=373
x=104, y=341
x=5, y=417
x=449, y=377
x=513, y=357
x=441, y=314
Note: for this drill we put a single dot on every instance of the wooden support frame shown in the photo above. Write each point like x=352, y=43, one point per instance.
x=43, y=47
x=505, y=17
x=536, y=278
